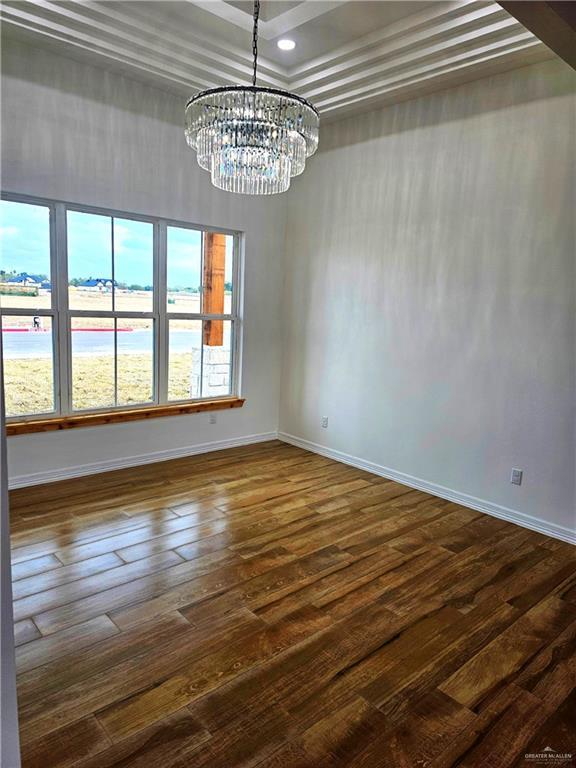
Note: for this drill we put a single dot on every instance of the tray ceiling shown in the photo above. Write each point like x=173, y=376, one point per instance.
x=350, y=54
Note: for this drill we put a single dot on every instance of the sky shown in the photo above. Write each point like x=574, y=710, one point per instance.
x=25, y=247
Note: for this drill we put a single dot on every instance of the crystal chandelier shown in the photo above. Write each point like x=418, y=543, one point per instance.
x=251, y=139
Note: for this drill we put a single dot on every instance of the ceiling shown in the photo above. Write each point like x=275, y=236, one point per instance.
x=349, y=55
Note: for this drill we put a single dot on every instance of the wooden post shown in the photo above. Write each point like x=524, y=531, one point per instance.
x=213, y=293
x=552, y=22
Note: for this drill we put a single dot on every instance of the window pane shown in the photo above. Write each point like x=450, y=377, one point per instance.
x=92, y=362
x=89, y=261
x=135, y=361
x=184, y=359
x=217, y=273
x=184, y=263
x=24, y=255
x=216, y=358
x=28, y=365
x=228, y=274
x=133, y=265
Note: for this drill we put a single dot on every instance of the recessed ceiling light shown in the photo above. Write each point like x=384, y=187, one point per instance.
x=286, y=45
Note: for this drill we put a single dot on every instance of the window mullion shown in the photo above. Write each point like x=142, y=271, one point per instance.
x=60, y=303
x=203, y=246
x=115, y=322
x=236, y=335
x=26, y=311
x=197, y=316
x=110, y=313
x=160, y=298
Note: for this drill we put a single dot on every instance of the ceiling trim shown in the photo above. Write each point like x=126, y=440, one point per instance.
x=406, y=33
x=279, y=25
x=412, y=56
x=205, y=64
x=425, y=71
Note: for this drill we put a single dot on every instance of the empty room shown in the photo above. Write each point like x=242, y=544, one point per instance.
x=288, y=384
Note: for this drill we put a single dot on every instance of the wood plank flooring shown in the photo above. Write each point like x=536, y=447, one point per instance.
x=264, y=606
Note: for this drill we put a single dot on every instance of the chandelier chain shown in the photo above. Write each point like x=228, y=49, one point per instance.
x=255, y=38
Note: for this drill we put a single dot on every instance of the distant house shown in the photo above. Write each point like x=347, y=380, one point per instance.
x=97, y=284
x=25, y=279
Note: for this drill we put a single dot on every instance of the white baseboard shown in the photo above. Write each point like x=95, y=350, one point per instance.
x=504, y=513
x=488, y=507
x=80, y=470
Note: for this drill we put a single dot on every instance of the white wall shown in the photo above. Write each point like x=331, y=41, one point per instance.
x=74, y=132
x=430, y=294
x=9, y=744
x=429, y=283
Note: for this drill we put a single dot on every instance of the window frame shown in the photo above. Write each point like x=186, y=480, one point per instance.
x=62, y=315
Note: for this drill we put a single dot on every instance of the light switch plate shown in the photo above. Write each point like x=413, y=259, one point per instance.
x=516, y=477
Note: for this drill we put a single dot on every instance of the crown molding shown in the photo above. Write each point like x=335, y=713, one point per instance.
x=459, y=69
x=194, y=60
x=279, y=25
x=445, y=44
x=442, y=11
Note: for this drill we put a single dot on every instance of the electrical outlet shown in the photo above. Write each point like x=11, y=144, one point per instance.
x=516, y=477
x=212, y=418
x=324, y=422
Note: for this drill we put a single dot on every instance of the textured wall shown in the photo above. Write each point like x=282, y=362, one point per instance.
x=9, y=746
x=430, y=291
x=78, y=133
x=429, y=275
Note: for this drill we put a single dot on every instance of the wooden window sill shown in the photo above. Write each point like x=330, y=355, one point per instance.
x=115, y=417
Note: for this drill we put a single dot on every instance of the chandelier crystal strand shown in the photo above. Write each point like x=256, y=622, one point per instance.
x=253, y=140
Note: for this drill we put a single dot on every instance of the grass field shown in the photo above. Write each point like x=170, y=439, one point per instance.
x=126, y=301
x=28, y=386
x=28, y=382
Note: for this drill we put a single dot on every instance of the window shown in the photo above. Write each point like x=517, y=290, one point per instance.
x=103, y=311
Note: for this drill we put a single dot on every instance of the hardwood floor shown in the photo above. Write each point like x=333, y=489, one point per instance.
x=264, y=606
